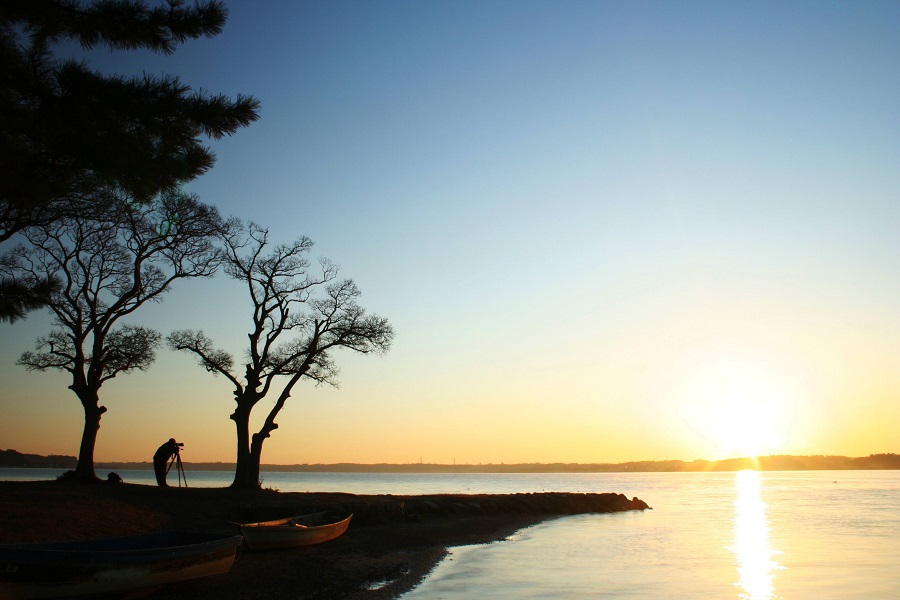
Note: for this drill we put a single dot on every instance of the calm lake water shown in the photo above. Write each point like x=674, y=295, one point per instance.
x=817, y=535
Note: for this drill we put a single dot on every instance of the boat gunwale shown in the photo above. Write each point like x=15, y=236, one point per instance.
x=284, y=524
x=162, y=544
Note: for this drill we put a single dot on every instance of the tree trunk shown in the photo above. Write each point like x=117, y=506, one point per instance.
x=246, y=471
x=84, y=471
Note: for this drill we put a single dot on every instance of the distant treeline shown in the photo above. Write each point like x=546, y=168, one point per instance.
x=765, y=463
x=11, y=458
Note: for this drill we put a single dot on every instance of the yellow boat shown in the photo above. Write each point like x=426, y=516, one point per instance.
x=292, y=532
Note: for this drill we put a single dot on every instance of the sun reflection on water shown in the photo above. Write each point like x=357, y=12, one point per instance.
x=755, y=564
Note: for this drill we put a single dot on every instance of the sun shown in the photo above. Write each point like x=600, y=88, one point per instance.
x=741, y=410
x=744, y=425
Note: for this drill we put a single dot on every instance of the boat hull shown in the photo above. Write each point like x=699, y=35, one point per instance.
x=291, y=533
x=111, y=565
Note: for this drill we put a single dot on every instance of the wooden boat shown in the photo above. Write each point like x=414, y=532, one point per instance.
x=111, y=565
x=292, y=532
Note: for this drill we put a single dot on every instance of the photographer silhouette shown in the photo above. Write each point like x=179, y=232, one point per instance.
x=161, y=457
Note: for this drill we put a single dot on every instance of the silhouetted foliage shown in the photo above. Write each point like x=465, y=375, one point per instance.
x=18, y=299
x=69, y=133
x=110, y=258
x=67, y=476
x=300, y=316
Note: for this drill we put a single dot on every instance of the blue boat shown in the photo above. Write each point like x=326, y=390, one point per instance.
x=111, y=565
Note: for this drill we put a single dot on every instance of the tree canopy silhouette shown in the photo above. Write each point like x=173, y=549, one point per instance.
x=110, y=257
x=70, y=133
x=301, y=315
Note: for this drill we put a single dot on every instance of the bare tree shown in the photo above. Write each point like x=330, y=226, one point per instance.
x=109, y=258
x=300, y=316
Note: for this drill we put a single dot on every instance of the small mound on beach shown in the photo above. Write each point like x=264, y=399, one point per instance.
x=393, y=541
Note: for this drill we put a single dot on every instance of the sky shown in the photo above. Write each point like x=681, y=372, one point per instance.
x=602, y=232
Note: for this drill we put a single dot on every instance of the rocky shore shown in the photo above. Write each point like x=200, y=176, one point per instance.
x=392, y=543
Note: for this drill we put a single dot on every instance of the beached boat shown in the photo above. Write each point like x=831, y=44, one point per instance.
x=111, y=565
x=304, y=530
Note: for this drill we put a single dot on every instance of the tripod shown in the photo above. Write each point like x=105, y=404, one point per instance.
x=176, y=460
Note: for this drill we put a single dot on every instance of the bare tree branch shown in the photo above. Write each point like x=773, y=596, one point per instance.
x=301, y=314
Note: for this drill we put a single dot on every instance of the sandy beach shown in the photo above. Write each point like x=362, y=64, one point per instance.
x=392, y=543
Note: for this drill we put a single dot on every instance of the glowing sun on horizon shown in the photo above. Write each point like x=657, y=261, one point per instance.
x=742, y=425
x=741, y=411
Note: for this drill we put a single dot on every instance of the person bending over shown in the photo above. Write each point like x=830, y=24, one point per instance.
x=161, y=458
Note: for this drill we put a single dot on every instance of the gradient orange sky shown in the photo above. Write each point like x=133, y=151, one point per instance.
x=602, y=231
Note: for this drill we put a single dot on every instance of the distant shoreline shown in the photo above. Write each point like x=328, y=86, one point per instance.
x=13, y=459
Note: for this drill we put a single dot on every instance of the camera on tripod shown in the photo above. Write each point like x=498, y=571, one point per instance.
x=176, y=460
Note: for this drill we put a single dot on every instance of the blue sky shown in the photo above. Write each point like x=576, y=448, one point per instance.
x=587, y=221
